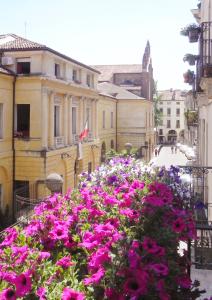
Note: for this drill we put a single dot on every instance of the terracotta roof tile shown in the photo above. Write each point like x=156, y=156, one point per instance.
x=12, y=41
x=107, y=71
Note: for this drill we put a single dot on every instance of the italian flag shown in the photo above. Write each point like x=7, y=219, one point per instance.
x=84, y=133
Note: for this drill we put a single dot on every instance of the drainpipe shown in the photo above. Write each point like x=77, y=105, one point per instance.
x=116, y=124
x=13, y=150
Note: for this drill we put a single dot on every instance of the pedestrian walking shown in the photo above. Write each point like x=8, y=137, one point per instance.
x=156, y=152
x=172, y=148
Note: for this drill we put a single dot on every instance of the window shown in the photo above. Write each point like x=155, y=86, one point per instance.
x=168, y=124
x=88, y=117
x=103, y=119
x=168, y=111
x=178, y=103
x=74, y=120
x=74, y=75
x=56, y=121
x=89, y=167
x=177, y=111
x=169, y=103
x=161, y=102
x=1, y=120
x=88, y=80
x=57, y=70
x=112, y=144
x=160, y=131
x=111, y=119
x=23, y=120
x=177, y=123
x=23, y=66
x=161, y=110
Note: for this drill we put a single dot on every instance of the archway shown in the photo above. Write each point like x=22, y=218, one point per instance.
x=172, y=136
x=181, y=135
x=103, y=152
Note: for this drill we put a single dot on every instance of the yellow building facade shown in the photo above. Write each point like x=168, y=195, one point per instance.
x=46, y=99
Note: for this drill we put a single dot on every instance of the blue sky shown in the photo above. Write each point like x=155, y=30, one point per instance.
x=109, y=31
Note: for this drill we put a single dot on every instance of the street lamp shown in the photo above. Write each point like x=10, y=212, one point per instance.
x=128, y=147
x=54, y=183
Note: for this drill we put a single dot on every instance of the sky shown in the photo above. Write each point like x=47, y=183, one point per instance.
x=109, y=31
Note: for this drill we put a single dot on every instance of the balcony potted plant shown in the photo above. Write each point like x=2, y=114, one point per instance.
x=189, y=77
x=191, y=117
x=190, y=58
x=192, y=31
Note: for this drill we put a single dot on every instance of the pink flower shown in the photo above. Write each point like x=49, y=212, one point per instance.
x=184, y=282
x=41, y=293
x=98, y=258
x=69, y=294
x=64, y=262
x=136, y=285
x=95, y=278
x=11, y=236
x=178, y=226
x=160, y=269
x=8, y=294
x=23, y=284
x=150, y=245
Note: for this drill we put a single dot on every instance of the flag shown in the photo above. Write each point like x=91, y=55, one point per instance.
x=84, y=133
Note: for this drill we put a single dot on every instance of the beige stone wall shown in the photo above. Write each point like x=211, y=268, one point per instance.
x=108, y=133
x=135, y=125
x=6, y=98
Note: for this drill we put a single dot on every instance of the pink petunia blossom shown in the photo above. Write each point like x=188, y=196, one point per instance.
x=69, y=294
x=23, y=284
x=11, y=236
x=179, y=225
x=8, y=294
x=160, y=269
x=65, y=262
x=41, y=293
x=95, y=278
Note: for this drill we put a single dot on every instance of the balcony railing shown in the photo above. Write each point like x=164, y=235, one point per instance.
x=75, y=139
x=199, y=179
x=59, y=141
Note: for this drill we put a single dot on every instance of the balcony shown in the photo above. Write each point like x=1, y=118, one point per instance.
x=59, y=141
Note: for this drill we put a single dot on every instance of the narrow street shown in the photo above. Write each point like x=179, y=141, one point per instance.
x=167, y=158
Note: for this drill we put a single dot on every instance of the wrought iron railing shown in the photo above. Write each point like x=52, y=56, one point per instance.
x=199, y=178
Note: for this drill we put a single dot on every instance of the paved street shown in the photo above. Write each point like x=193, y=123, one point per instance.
x=166, y=158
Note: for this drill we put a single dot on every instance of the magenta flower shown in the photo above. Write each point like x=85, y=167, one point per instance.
x=136, y=285
x=178, y=226
x=64, y=262
x=8, y=294
x=10, y=237
x=150, y=245
x=95, y=278
x=69, y=294
x=23, y=284
x=184, y=281
x=160, y=269
x=41, y=293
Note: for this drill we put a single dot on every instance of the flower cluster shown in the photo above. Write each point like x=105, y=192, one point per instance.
x=116, y=237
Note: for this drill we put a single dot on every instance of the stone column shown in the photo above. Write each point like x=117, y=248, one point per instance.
x=97, y=119
x=70, y=120
x=94, y=118
x=51, y=121
x=81, y=114
x=65, y=120
x=44, y=119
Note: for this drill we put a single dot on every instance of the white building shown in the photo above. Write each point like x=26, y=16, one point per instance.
x=171, y=106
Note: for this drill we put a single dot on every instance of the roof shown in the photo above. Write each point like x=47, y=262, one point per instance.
x=171, y=94
x=12, y=42
x=107, y=71
x=116, y=91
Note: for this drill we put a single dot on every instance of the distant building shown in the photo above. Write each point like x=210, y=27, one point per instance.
x=136, y=78
x=171, y=106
